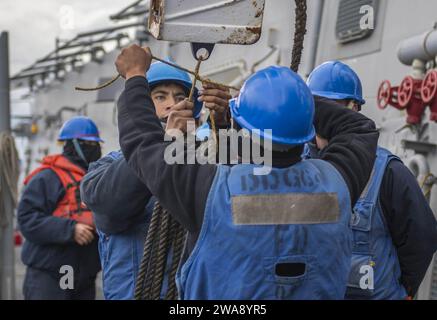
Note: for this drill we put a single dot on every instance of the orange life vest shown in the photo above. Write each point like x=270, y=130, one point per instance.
x=71, y=206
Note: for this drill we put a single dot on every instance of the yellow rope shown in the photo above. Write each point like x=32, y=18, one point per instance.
x=424, y=183
x=104, y=85
x=194, y=73
x=197, y=77
x=193, y=87
x=213, y=127
x=427, y=193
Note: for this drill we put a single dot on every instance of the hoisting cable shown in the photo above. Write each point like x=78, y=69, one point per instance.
x=299, y=33
x=196, y=76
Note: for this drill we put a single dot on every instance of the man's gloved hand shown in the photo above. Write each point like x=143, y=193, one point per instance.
x=180, y=115
x=217, y=98
x=134, y=61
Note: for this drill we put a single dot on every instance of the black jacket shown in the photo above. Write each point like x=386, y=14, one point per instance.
x=412, y=225
x=50, y=240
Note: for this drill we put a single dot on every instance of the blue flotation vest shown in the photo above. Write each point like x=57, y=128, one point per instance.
x=375, y=270
x=284, y=235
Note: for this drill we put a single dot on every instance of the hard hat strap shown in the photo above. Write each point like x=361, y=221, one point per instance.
x=79, y=150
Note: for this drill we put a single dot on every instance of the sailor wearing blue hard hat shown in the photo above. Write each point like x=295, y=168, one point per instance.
x=337, y=81
x=122, y=203
x=391, y=217
x=59, y=229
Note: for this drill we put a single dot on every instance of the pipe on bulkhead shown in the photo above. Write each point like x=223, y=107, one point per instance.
x=422, y=47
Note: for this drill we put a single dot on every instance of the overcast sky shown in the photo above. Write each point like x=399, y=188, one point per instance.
x=34, y=24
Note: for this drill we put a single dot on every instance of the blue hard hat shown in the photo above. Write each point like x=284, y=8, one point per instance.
x=81, y=128
x=276, y=98
x=160, y=73
x=336, y=80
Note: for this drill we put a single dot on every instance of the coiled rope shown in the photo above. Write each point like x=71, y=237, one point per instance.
x=144, y=274
x=165, y=236
x=9, y=173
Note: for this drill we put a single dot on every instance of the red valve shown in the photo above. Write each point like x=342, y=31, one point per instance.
x=387, y=95
x=408, y=89
x=429, y=86
x=409, y=96
x=429, y=93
